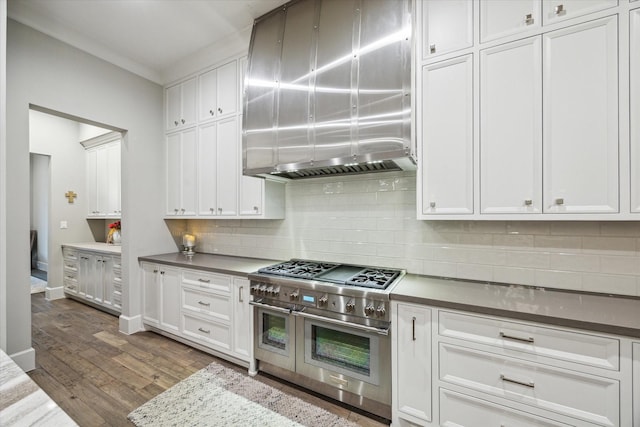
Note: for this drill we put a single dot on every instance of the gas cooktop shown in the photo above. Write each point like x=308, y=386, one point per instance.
x=341, y=274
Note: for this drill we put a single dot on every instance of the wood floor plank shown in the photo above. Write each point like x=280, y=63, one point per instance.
x=98, y=375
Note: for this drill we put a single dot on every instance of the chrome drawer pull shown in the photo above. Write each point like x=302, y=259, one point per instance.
x=206, y=304
x=509, y=337
x=204, y=330
x=339, y=380
x=413, y=321
x=204, y=280
x=529, y=384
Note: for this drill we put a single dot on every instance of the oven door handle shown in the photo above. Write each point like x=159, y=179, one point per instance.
x=270, y=307
x=379, y=331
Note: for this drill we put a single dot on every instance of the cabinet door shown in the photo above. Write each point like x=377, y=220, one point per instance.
x=511, y=128
x=413, y=363
x=227, y=89
x=150, y=294
x=227, y=167
x=85, y=268
x=91, y=157
x=188, y=104
x=447, y=137
x=634, y=18
x=181, y=173
x=112, y=191
x=499, y=18
x=251, y=195
x=169, y=313
x=580, y=118
x=242, y=319
x=173, y=107
x=102, y=180
x=447, y=26
x=636, y=383
x=207, y=170
x=208, y=95
x=560, y=10
x=107, y=280
x=91, y=275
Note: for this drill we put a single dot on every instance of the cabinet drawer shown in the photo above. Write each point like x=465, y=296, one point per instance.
x=117, y=284
x=207, y=281
x=70, y=283
x=214, y=305
x=207, y=332
x=70, y=267
x=586, y=349
x=117, y=298
x=462, y=410
x=583, y=396
x=70, y=254
x=117, y=267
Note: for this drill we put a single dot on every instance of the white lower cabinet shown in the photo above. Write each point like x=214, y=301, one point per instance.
x=93, y=276
x=411, y=364
x=484, y=370
x=207, y=309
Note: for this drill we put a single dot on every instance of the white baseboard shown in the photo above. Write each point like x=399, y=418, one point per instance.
x=131, y=325
x=43, y=266
x=53, y=293
x=26, y=359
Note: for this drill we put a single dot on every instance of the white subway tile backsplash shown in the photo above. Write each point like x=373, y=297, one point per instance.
x=370, y=219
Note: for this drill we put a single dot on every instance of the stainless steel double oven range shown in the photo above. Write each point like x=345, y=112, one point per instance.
x=326, y=327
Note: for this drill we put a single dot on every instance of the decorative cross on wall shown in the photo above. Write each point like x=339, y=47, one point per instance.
x=70, y=195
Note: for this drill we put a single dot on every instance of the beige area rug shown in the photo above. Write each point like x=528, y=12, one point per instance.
x=219, y=396
x=37, y=285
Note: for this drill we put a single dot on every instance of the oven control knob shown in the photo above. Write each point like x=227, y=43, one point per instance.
x=323, y=301
x=269, y=291
x=369, y=309
x=294, y=296
x=254, y=290
x=263, y=290
x=351, y=306
x=381, y=311
x=276, y=292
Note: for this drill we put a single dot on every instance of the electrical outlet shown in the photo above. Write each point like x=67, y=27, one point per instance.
x=63, y=224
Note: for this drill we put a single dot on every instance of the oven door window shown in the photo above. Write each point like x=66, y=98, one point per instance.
x=342, y=350
x=274, y=332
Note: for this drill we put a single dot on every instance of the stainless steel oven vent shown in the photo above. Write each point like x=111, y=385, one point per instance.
x=328, y=89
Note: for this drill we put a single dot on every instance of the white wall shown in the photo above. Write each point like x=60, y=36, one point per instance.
x=48, y=73
x=86, y=131
x=39, y=167
x=370, y=219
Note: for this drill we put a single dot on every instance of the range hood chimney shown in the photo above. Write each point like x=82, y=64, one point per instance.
x=328, y=89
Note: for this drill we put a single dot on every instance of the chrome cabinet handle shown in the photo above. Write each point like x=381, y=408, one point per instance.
x=204, y=280
x=206, y=331
x=432, y=204
x=559, y=10
x=511, y=337
x=219, y=110
x=510, y=380
x=413, y=321
x=182, y=120
x=211, y=112
x=432, y=48
x=255, y=208
x=528, y=19
x=240, y=291
x=206, y=304
x=559, y=201
x=176, y=122
x=528, y=202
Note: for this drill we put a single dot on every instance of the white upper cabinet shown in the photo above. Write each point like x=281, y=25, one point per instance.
x=511, y=131
x=218, y=92
x=499, y=18
x=448, y=26
x=580, y=118
x=103, y=180
x=446, y=139
x=227, y=164
x=181, y=173
x=559, y=10
x=634, y=48
x=180, y=105
x=207, y=171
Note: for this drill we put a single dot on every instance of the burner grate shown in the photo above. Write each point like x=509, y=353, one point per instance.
x=373, y=278
x=298, y=268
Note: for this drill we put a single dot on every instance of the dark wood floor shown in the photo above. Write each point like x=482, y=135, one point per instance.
x=98, y=375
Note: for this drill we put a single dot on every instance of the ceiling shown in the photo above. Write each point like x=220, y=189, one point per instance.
x=146, y=37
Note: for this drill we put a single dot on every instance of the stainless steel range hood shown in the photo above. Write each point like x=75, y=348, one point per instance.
x=328, y=89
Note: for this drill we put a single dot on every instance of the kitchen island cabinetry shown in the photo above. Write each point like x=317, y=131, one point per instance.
x=93, y=277
x=207, y=310
x=490, y=370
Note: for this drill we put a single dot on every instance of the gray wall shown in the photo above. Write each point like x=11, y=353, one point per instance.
x=50, y=74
